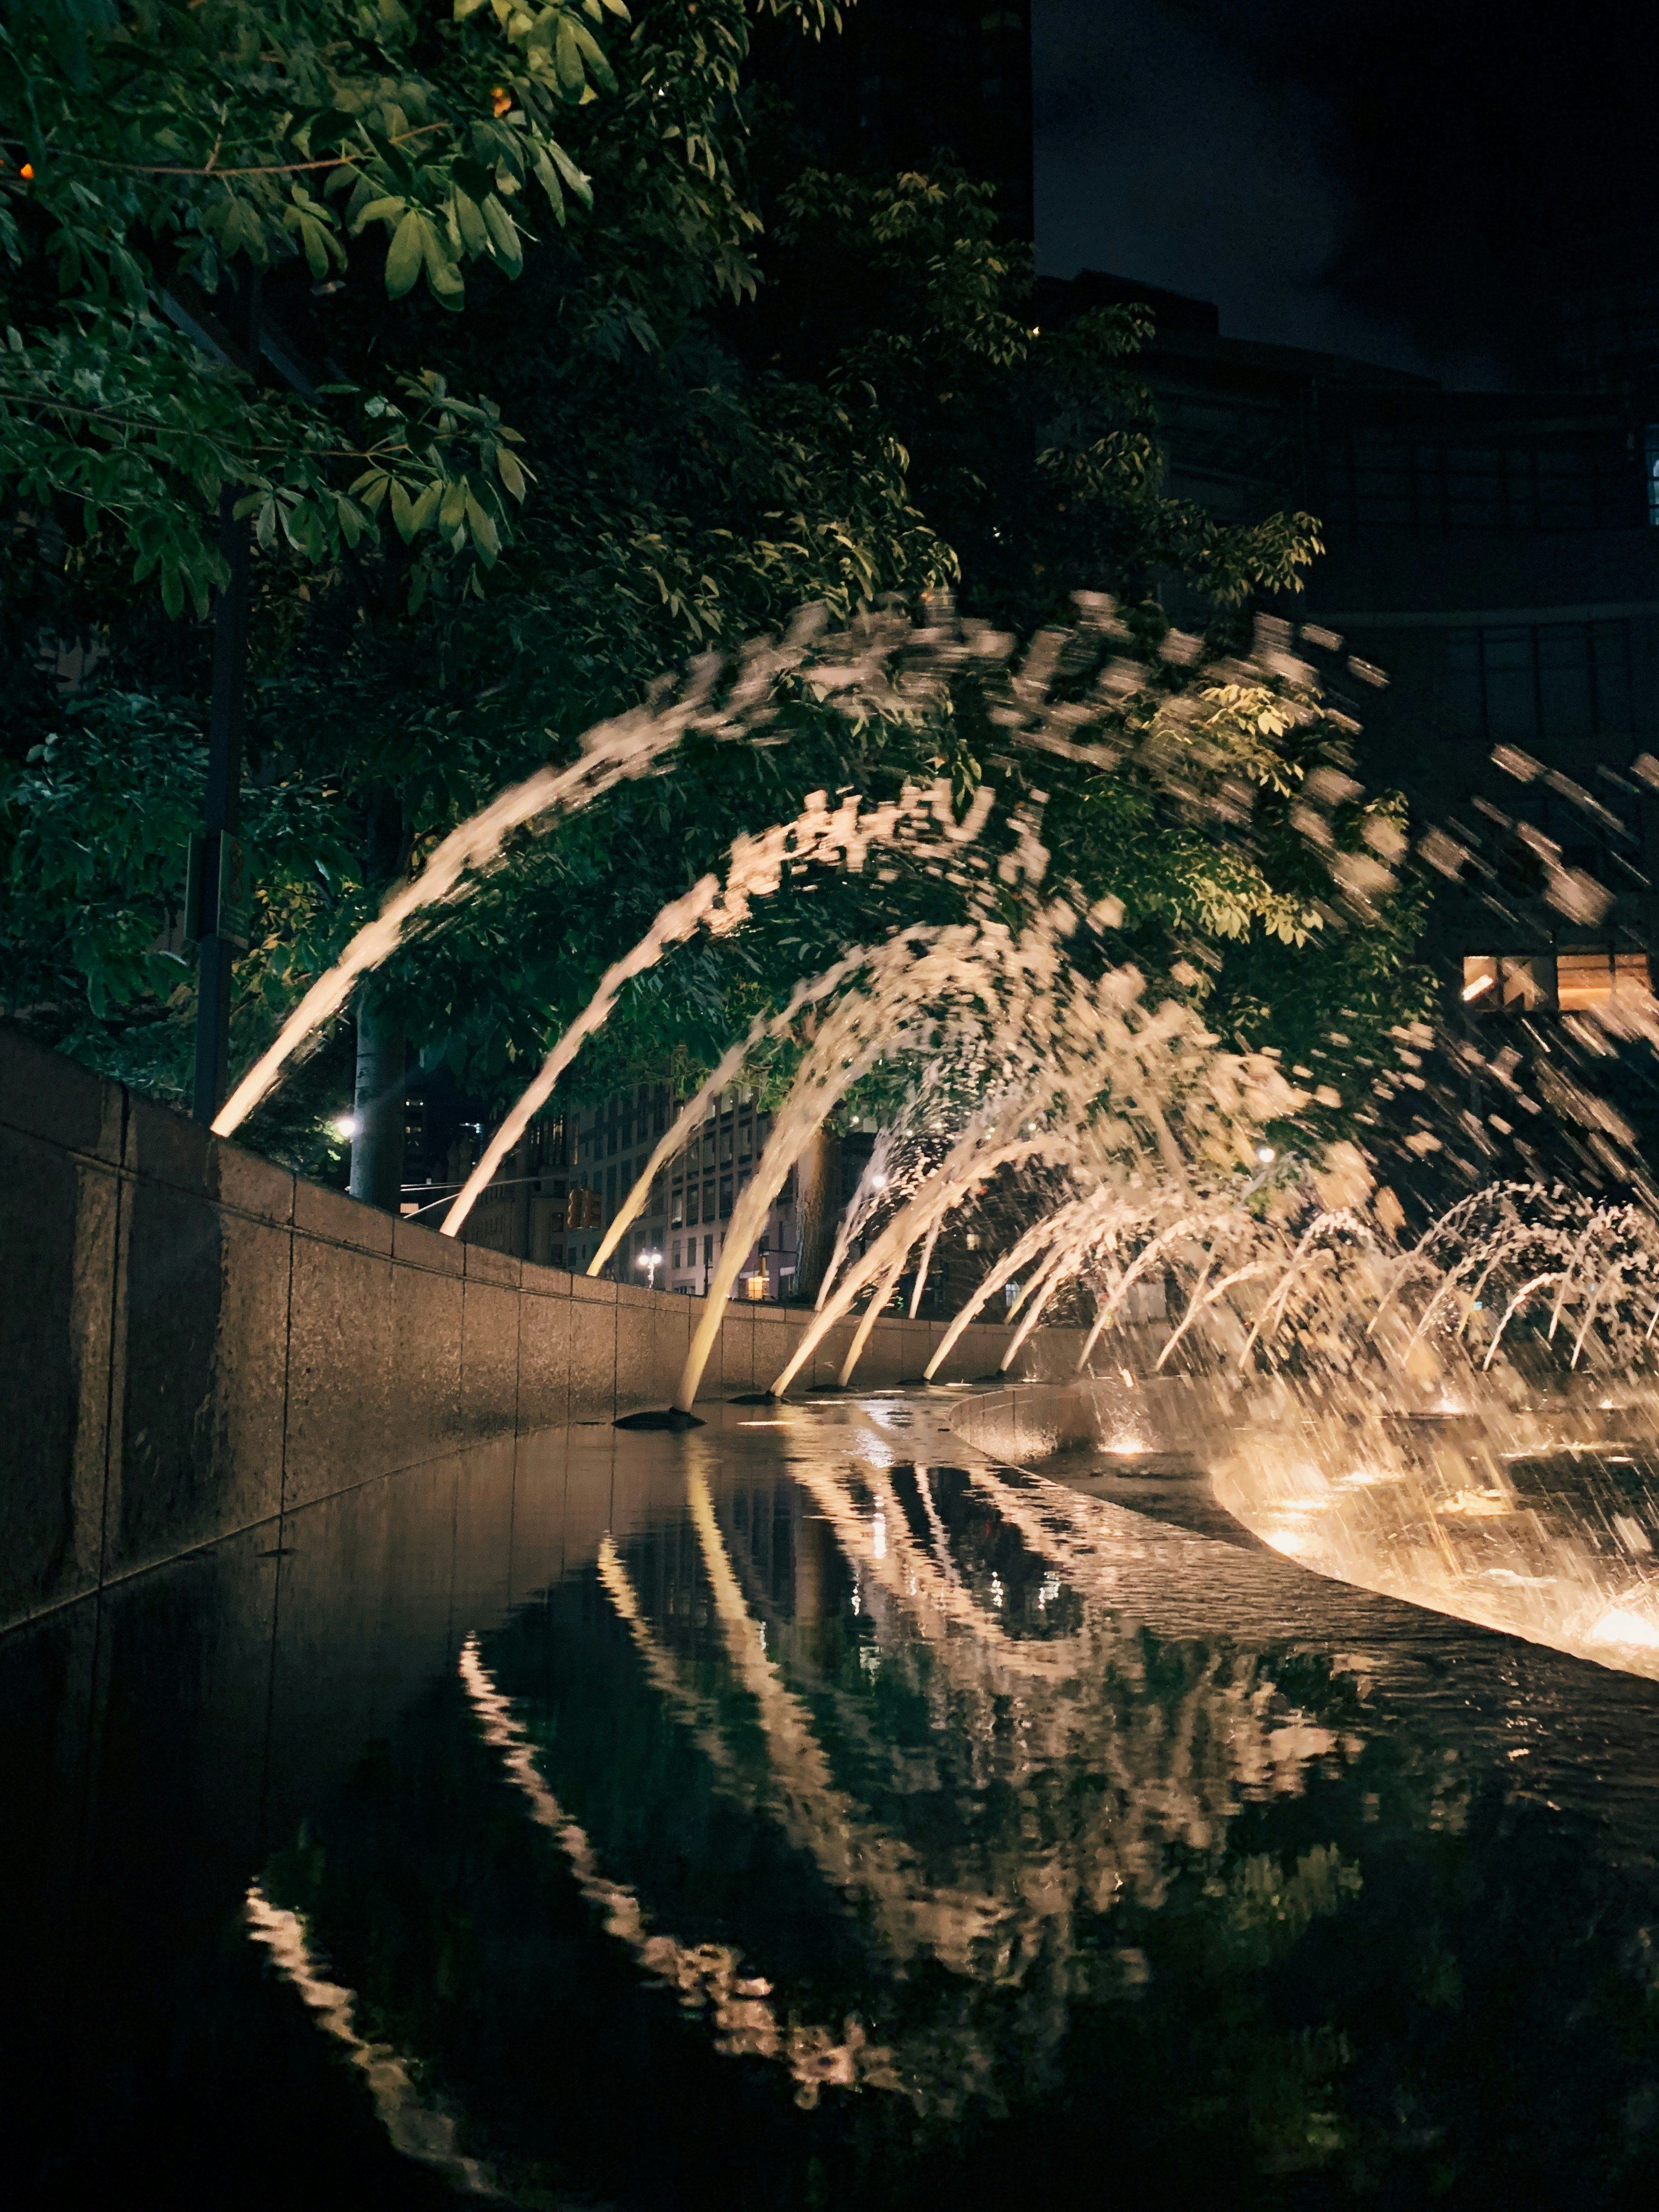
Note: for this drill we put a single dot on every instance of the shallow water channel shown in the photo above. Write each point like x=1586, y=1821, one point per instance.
x=805, y=1810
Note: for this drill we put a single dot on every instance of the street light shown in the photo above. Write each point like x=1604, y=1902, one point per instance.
x=1266, y=1154
x=345, y=1126
x=653, y=1261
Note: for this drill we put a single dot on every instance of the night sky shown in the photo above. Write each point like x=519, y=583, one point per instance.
x=1392, y=179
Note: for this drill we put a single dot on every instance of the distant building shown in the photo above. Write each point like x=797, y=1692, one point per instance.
x=564, y=1183
x=1597, y=325
x=687, y=1214
x=1497, y=556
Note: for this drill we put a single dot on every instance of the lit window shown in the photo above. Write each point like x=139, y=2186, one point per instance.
x=1480, y=984
x=1592, y=977
x=1570, y=982
x=1509, y=984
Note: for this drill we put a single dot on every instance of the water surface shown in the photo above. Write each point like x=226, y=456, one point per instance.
x=806, y=1809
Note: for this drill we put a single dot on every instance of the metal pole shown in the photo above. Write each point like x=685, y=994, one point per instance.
x=220, y=923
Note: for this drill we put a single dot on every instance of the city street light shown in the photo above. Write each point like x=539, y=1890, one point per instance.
x=653, y=1261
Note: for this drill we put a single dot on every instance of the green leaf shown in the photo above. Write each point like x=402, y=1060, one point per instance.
x=454, y=503
x=442, y=272
x=403, y=511
x=425, y=508
x=378, y=209
x=317, y=242
x=550, y=185
x=507, y=469
x=504, y=236
x=568, y=58
x=403, y=260
x=599, y=66
x=475, y=233
x=485, y=535
x=577, y=180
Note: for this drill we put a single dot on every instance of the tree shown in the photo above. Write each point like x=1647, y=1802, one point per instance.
x=421, y=130
x=712, y=424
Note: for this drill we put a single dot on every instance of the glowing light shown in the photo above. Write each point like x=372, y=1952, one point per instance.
x=1266, y=1154
x=1481, y=983
x=344, y=1125
x=1288, y=1539
x=1619, y=1624
x=26, y=173
x=878, y=1536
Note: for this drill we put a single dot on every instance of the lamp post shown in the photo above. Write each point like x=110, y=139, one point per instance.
x=652, y=1260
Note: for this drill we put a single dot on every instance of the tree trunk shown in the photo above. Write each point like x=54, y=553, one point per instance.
x=817, y=1177
x=377, y=1106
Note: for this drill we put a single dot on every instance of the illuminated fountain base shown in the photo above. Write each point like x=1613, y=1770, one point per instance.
x=1527, y=1511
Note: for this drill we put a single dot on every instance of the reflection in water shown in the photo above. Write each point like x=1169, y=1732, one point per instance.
x=412, y=2127
x=935, y=1818
x=705, y=1977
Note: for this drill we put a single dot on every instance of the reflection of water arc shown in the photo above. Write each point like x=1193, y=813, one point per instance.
x=853, y=1854
x=412, y=2127
x=706, y=1977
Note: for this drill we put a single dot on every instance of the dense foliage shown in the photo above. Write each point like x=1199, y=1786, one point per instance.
x=595, y=372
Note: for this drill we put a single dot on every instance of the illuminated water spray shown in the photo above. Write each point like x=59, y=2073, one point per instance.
x=1031, y=1057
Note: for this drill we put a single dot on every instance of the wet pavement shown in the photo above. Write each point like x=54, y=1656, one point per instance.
x=806, y=1810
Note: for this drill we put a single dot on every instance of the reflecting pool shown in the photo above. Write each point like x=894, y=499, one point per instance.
x=808, y=1810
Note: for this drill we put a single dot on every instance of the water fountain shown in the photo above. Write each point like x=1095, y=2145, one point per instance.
x=1138, y=1138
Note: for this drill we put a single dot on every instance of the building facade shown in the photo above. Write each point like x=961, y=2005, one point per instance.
x=687, y=1214
x=1495, y=556
x=565, y=1182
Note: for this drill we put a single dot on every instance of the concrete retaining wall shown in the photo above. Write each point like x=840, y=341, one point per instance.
x=193, y=1341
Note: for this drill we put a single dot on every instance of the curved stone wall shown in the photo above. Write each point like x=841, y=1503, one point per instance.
x=193, y=1340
